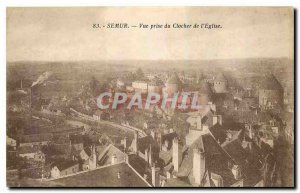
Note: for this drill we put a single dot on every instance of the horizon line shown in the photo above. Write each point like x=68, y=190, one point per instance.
x=116, y=60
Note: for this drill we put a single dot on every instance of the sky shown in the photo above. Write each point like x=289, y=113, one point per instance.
x=66, y=34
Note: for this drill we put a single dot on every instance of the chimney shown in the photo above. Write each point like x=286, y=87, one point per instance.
x=150, y=161
x=135, y=142
x=155, y=176
x=244, y=143
x=250, y=132
x=198, y=165
x=152, y=134
x=215, y=119
x=169, y=175
x=236, y=171
x=175, y=155
x=199, y=122
x=93, y=160
x=146, y=155
x=114, y=159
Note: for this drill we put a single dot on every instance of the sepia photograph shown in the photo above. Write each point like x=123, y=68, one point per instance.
x=154, y=97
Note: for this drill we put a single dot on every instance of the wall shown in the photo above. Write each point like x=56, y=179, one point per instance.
x=274, y=96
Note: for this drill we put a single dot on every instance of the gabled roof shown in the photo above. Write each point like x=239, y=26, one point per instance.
x=105, y=156
x=220, y=77
x=169, y=136
x=236, y=151
x=145, y=142
x=83, y=155
x=270, y=82
x=219, y=132
x=118, y=175
x=174, y=79
x=215, y=156
x=28, y=149
x=65, y=164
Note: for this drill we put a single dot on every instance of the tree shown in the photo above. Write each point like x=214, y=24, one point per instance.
x=139, y=74
x=94, y=83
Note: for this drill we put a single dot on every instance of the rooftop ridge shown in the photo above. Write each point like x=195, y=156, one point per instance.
x=81, y=172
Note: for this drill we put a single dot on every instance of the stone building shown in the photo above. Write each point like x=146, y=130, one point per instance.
x=173, y=84
x=270, y=93
x=220, y=83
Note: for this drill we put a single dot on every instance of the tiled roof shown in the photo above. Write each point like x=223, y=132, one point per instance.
x=178, y=182
x=270, y=82
x=216, y=159
x=65, y=164
x=220, y=77
x=144, y=143
x=118, y=175
x=28, y=149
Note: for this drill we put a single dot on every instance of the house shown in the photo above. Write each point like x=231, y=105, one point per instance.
x=77, y=141
x=270, y=93
x=200, y=125
x=146, y=147
x=97, y=115
x=110, y=155
x=11, y=142
x=36, y=139
x=288, y=124
x=64, y=168
x=155, y=85
x=31, y=152
x=140, y=86
x=220, y=84
x=205, y=163
x=173, y=84
x=204, y=93
x=117, y=175
x=88, y=158
x=58, y=151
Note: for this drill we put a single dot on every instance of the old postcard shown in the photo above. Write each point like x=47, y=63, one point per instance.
x=150, y=97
